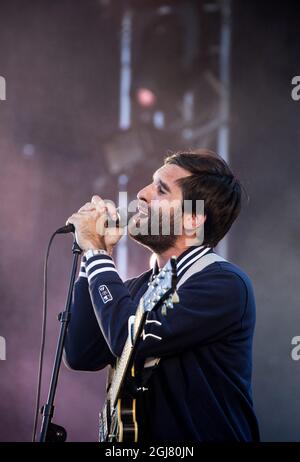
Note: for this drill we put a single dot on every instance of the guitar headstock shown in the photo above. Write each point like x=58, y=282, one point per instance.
x=161, y=286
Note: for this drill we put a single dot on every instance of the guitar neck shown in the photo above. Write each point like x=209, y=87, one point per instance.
x=126, y=356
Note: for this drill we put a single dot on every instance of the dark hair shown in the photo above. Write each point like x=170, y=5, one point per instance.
x=211, y=180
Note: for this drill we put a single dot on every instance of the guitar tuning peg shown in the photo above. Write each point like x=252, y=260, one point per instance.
x=164, y=309
x=175, y=297
x=170, y=304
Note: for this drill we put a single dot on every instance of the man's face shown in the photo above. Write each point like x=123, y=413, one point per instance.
x=159, y=220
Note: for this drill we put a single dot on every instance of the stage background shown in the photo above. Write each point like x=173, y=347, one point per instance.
x=62, y=70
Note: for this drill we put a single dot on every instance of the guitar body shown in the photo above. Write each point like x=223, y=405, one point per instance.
x=120, y=425
x=123, y=425
x=127, y=422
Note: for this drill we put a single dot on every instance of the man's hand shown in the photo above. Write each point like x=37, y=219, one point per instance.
x=91, y=228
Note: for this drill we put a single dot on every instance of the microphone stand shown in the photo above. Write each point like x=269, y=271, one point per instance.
x=51, y=432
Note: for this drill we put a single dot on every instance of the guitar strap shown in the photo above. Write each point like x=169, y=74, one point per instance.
x=152, y=363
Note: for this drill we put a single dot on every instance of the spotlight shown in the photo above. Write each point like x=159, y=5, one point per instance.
x=145, y=97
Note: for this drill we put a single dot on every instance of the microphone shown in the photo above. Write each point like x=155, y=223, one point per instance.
x=121, y=220
x=69, y=228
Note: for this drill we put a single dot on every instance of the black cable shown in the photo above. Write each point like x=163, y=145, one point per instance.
x=43, y=339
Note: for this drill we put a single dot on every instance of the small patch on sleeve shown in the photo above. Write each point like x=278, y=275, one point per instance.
x=105, y=294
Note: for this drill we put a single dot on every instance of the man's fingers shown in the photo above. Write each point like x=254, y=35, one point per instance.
x=73, y=219
x=112, y=214
x=98, y=203
x=87, y=207
x=111, y=210
x=101, y=224
x=96, y=217
x=107, y=211
x=83, y=214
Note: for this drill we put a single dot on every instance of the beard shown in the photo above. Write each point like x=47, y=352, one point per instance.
x=159, y=241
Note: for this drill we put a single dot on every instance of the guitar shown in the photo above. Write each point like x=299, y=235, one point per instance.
x=117, y=420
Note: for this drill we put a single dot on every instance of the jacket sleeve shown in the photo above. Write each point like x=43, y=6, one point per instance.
x=85, y=347
x=209, y=308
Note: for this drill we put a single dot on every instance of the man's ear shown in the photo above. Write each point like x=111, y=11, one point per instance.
x=194, y=228
x=192, y=222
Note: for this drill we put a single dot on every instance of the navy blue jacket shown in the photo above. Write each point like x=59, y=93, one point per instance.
x=201, y=389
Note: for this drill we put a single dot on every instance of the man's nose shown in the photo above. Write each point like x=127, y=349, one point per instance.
x=144, y=194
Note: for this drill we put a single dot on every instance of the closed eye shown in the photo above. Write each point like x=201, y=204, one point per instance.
x=160, y=190
x=162, y=187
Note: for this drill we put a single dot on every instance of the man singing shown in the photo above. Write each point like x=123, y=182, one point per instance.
x=200, y=386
